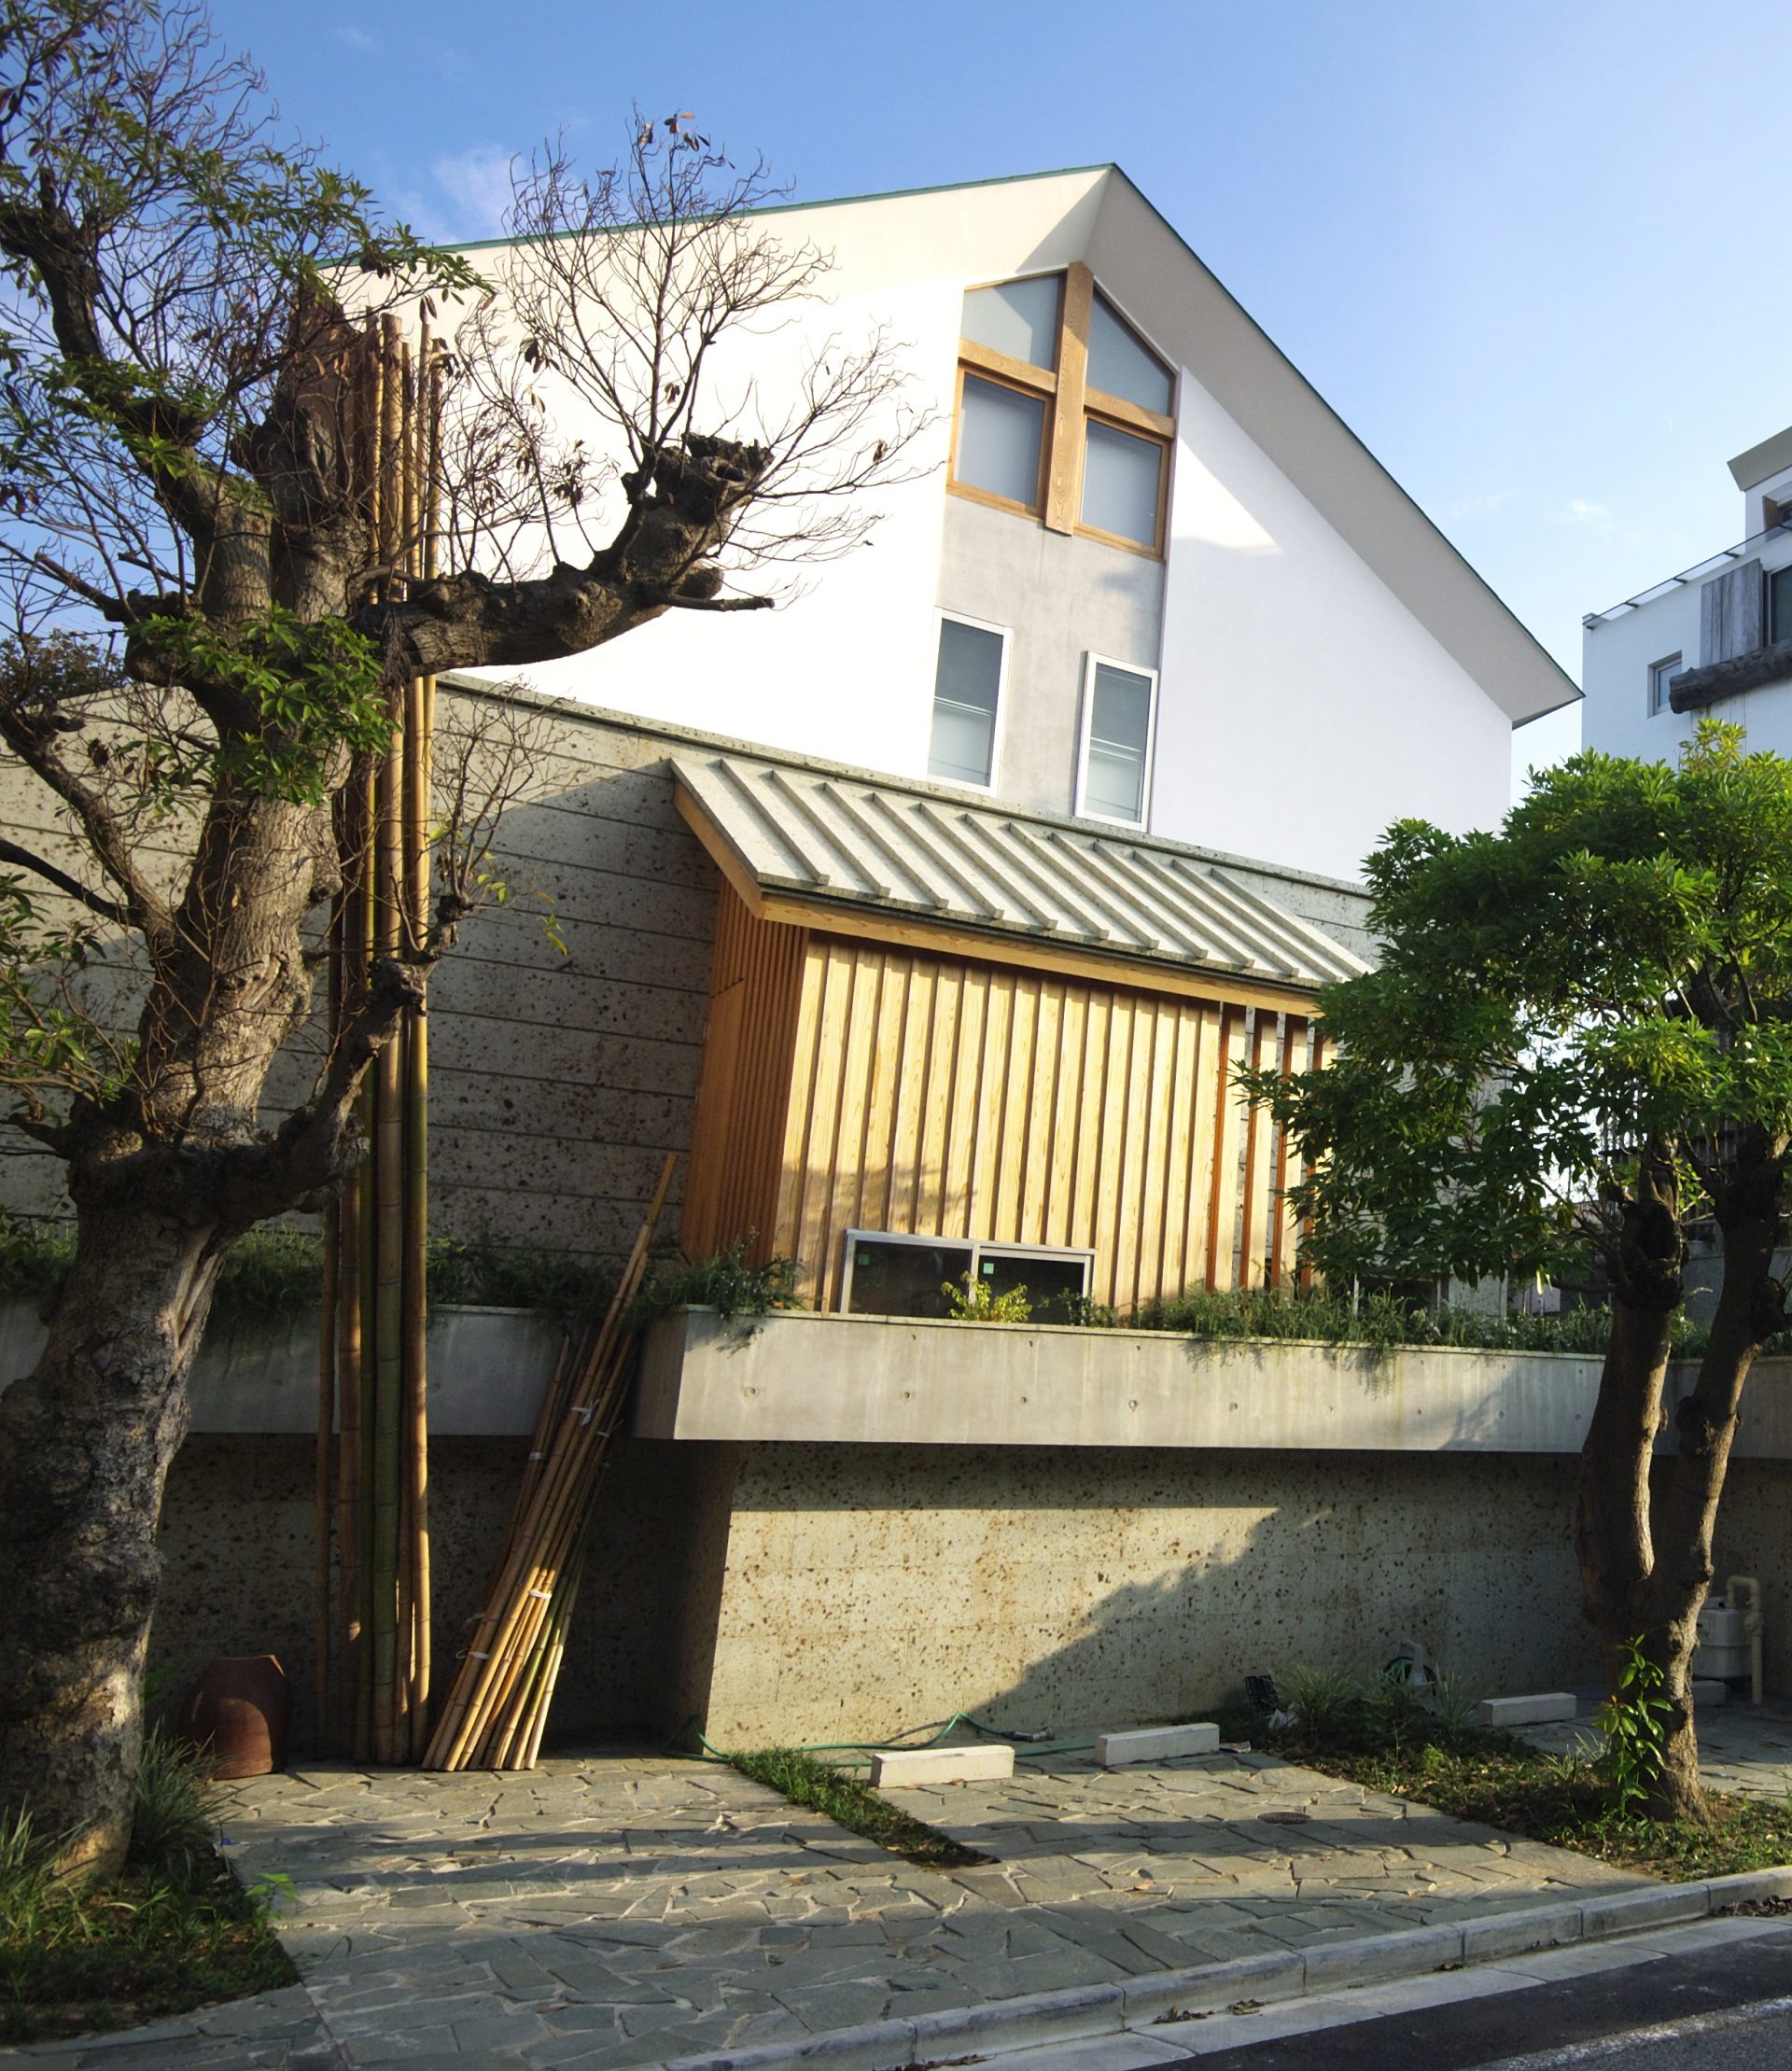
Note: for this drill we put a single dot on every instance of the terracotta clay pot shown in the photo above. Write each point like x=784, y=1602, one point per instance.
x=238, y=1713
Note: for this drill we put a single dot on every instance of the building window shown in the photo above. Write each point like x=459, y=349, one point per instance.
x=1779, y=606
x=1064, y=412
x=1114, y=775
x=967, y=698
x=891, y=1275
x=1001, y=442
x=1658, y=675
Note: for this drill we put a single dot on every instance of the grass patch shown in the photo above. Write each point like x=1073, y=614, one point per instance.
x=854, y=1805
x=176, y=1931
x=1389, y=1742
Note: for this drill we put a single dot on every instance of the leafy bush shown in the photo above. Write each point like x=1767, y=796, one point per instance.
x=175, y=1818
x=1326, y=1700
x=479, y=1273
x=971, y=1301
x=724, y=1282
x=33, y=1258
x=1634, y=1722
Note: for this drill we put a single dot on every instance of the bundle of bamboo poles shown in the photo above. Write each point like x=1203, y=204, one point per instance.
x=496, y=1711
x=372, y=1407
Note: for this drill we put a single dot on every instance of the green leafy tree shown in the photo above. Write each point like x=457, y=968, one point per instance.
x=1579, y=1039
x=203, y=644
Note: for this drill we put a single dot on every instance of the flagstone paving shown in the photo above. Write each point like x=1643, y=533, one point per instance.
x=619, y=1911
x=1743, y=1748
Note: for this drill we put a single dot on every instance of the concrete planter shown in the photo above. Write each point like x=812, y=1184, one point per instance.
x=866, y=1379
x=487, y=1370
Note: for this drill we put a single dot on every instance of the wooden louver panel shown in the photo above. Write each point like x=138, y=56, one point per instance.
x=739, y=1133
x=934, y=1096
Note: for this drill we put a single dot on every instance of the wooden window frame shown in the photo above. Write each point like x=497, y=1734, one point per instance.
x=1006, y=634
x=1071, y=406
x=1001, y=376
x=1091, y=662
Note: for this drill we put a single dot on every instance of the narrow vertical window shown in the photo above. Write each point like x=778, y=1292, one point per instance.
x=1658, y=675
x=967, y=690
x=1779, y=605
x=1118, y=708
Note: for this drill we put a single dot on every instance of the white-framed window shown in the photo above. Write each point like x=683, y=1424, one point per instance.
x=969, y=673
x=1114, y=754
x=1658, y=674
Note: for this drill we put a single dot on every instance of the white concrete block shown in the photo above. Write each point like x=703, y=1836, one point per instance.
x=1157, y=1744
x=1709, y=1690
x=905, y=1768
x=1543, y=1708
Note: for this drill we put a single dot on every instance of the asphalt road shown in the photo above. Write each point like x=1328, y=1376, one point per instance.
x=1728, y=2008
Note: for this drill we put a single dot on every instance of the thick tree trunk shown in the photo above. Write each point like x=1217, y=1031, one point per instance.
x=85, y=1446
x=1643, y=1534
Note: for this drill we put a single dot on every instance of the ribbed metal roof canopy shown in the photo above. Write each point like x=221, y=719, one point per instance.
x=932, y=856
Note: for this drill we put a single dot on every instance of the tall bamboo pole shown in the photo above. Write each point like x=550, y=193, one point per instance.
x=372, y=1381
x=413, y=1097
x=388, y=1147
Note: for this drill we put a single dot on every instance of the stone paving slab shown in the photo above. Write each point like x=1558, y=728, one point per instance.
x=1743, y=1748
x=279, y=2030
x=621, y=1911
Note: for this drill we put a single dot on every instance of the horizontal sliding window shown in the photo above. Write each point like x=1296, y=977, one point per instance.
x=889, y=1275
x=1064, y=412
x=967, y=694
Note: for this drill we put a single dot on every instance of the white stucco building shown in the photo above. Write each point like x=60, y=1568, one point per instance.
x=1147, y=576
x=1714, y=640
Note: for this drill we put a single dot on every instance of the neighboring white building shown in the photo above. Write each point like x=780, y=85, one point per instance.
x=1150, y=575
x=1716, y=638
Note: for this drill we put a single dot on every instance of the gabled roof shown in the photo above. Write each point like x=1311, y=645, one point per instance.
x=848, y=847
x=1149, y=269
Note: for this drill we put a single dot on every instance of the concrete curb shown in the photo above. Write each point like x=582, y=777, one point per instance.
x=1035, y=2019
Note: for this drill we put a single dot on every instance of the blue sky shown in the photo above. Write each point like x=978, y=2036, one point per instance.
x=1534, y=254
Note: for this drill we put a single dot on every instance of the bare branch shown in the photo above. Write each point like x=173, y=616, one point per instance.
x=94, y=901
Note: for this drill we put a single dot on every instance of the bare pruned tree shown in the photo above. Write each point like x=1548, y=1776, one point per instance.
x=204, y=641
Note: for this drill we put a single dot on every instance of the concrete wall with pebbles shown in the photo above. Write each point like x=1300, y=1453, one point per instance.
x=813, y=1593
x=868, y=1590
x=558, y=1080
x=238, y=1542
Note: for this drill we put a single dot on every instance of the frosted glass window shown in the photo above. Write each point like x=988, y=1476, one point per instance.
x=1120, y=366
x=1120, y=478
x=1001, y=432
x=1018, y=319
x=966, y=683
x=1114, y=777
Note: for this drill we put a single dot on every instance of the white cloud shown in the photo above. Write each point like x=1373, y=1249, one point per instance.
x=356, y=39
x=474, y=192
x=1593, y=515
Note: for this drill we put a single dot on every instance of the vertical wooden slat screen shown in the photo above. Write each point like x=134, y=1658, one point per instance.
x=853, y=1085
x=739, y=1133
x=932, y=1096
